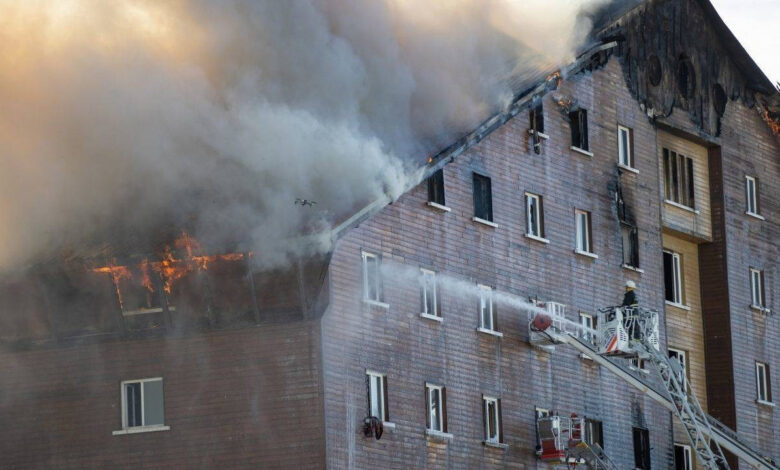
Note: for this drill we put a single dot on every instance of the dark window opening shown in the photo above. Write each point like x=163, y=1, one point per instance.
x=579, y=128
x=641, y=449
x=594, y=433
x=537, y=119
x=483, y=199
x=686, y=77
x=719, y=99
x=436, y=188
x=630, y=245
x=133, y=403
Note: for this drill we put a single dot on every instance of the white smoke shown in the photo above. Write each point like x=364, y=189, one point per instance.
x=121, y=119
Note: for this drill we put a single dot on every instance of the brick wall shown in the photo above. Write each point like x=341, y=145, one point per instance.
x=248, y=398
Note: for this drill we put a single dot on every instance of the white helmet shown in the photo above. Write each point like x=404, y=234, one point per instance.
x=630, y=285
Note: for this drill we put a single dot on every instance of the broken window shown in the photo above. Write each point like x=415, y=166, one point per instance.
x=673, y=278
x=763, y=383
x=483, y=199
x=678, y=178
x=491, y=416
x=589, y=325
x=534, y=215
x=429, y=295
x=680, y=356
x=436, y=406
x=625, y=147
x=757, y=288
x=142, y=403
x=372, y=278
x=583, y=231
x=579, y=129
x=751, y=190
x=537, y=119
x=630, y=237
x=641, y=449
x=436, y=188
x=377, y=395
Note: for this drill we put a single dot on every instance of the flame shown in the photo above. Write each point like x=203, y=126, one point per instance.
x=773, y=124
x=169, y=268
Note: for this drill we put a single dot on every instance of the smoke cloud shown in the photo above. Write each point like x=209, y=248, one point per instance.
x=122, y=120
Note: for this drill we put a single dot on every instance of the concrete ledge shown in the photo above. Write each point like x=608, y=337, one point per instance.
x=497, y=334
x=754, y=215
x=534, y=237
x=628, y=168
x=484, y=222
x=140, y=429
x=582, y=151
x=438, y=206
x=495, y=445
x=541, y=135
x=680, y=306
x=587, y=254
x=428, y=316
x=439, y=435
x=376, y=304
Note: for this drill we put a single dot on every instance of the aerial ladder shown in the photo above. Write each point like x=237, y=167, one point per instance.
x=632, y=333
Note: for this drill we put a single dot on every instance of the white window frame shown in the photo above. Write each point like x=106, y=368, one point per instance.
x=763, y=394
x=751, y=196
x=638, y=364
x=373, y=379
x=143, y=427
x=529, y=219
x=486, y=402
x=378, y=278
x=678, y=283
x=432, y=389
x=682, y=359
x=486, y=302
x=582, y=227
x=625, y=160
x=425, y=275
x=756, y=285
x=688, y=463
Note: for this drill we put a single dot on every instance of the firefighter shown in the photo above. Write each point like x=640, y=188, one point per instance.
x=629, y=299
x=630, y=303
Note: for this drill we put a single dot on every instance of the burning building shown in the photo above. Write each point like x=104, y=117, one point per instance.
x=651, y=157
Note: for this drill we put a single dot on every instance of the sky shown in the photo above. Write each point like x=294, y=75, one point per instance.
x=756, y=24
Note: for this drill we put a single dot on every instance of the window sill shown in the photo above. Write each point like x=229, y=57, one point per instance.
x=761, y=309
x=582, y=151
x=438, y=206
x=765, y=403
x=377, y=304
x=388, y=425
x=644, y=371
x=495, y=333
x=495, y=445
x=485, y=222
x=753, y=214
x=444, y=436
x=630, y=169
x=676, y=305
x=539, y=239
x=139, y=429
x=586, y=253
x=631, y=268
x=681, y=206
x=428, y=316
x=585, y=357
x=541, y=135
x=142, y=311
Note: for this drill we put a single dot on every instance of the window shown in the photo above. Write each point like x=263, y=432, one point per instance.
x=579, y=129
x=483, y=200
x=436, y=188
x=534, y=216
x=487, y=312
x=680, y=356
x=641, y=449
x=763, y=383
x=589, y=324
x=625, y=147
x=142, y=403
x=429, y=295
x=436, y=404
x=537, y=119
x=638, y=364
x=377, y=395
x=593, y=432
x=751, y=190
x=372, y=278
x=682, y=457
x=583, y=232
x=491, y=415
x=630, y=236
x=540, y=413
x=678, y=178
x=757, y=288
x=673, y=278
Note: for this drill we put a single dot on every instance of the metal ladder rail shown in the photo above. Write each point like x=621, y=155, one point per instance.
x=594, y=456
x=687, y=409
x=726, y=440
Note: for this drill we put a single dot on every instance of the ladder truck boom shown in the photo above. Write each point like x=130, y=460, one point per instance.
x=632, y=332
